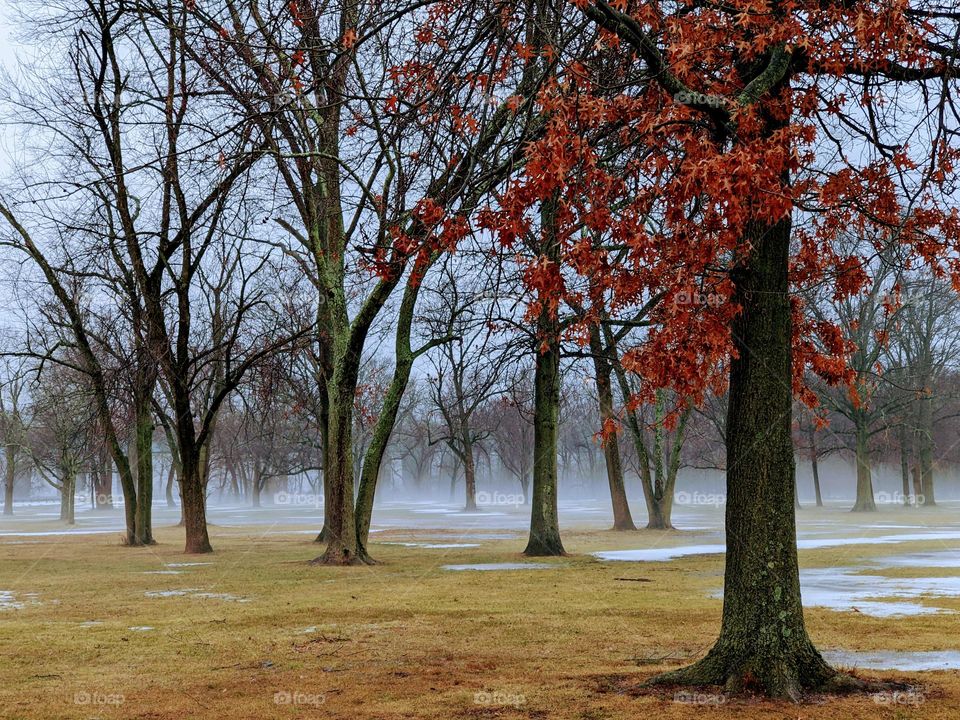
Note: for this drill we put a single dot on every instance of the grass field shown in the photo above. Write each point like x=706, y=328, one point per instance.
x=93, y=629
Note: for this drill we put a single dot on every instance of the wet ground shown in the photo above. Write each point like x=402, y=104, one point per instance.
x=899, y=563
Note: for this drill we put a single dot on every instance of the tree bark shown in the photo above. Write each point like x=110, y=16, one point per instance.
x=925, y=447
x=544, y=521
x=905, y=464
x=144, y=469
x=763, y=640
x=168, y=490
x=622, y=519
x=194, y=504
x=865, y=500
x=340, y=523
x=10, y=475
x=469, y=471
x=68, y=491
x=815, y=466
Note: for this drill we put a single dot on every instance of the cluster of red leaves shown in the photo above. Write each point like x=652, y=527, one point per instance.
x=675, y=203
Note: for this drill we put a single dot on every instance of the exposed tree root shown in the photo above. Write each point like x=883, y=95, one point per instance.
x=340, y=555
x=785, y=678
x=541, y=546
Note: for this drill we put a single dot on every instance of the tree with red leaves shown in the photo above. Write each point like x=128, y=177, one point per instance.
x=759, y=131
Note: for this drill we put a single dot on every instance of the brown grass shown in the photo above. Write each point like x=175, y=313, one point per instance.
x=404, y=639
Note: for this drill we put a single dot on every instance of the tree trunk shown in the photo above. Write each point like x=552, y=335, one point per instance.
x=469, y=472
x=815, y=467
x=68, y=492
x=763, y=640
x=144, y=470
x=323, y=535
x=102, y=482
x=387, y=419
x=194, y=504
x=340, y=523
x=865, y=501
x=905, y=464
x=622, y=519
x=925, y=447
x=10, y=475
x=544, y=522
x=168, y=490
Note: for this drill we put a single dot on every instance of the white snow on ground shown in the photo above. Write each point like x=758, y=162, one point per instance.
x=895, y=660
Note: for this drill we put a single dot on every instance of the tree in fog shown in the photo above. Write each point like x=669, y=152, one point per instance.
x=510, y=419
x=61, y=443
x=923, y=348
x=865, y=322
x=466, y=367
x=14, y=421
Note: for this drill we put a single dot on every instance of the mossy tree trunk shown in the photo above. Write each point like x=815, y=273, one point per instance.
x=763, y=640
x=544, y=521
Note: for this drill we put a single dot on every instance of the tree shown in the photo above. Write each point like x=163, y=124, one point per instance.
x=722, y=133
x=467, y=367
x=865, y=322
x=60, y=443
x=512, y=429
x=923, y=347
x=13, y=422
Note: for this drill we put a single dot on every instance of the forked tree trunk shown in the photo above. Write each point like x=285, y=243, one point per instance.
x=68, y=491
x=763, y=640
x=865, y=500
x=340, y=520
